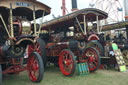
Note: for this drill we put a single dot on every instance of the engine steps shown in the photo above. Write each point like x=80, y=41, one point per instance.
x=82, y=69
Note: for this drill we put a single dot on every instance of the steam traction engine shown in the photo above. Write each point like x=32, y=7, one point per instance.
x=68, y=39
x=16, y=33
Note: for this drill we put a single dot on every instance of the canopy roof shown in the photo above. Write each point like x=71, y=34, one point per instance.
x=23, y=8
x=68, y=20
x=114, y=26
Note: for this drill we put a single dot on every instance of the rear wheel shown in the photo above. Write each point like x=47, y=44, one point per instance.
x=93, y=58
x=67, y=62
x=35, y=67
x=0, y=75
x=39, y=47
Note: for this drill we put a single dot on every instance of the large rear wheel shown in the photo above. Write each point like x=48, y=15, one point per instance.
x=35, y=67
x=0, y=75
x=67, y=62
x=39, y=47
x=93, y=58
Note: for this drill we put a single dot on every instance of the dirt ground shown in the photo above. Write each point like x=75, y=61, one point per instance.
x=53, y=76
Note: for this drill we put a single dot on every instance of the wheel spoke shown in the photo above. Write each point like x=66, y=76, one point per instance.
x=31, y=48
x=70, y=68
x=65, y=67
x=31, y=60
x=34, y=76
x=66, y=56
x=91, y=65
x=37, y=46
x=95, y=62
x=69, y=62
x=36, y=65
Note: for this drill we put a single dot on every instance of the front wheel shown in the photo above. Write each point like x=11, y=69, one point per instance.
x=92, y=57
x=67, y=62
x=35, y=67
x=0, y=75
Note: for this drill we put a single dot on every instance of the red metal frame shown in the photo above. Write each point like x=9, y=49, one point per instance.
x=16, y=66
x=15, y=69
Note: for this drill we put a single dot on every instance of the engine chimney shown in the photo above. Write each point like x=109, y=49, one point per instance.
x=74, y=5
x=126, y=9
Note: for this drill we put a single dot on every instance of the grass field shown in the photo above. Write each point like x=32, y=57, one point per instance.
x=53, y=76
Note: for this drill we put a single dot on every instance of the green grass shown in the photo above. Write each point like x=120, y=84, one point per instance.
x=53, y=76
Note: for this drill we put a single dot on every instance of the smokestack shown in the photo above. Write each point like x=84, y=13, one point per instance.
x=126, y=9
x=74, y=5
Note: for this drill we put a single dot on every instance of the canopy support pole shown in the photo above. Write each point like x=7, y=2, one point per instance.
x=34, y=18
x=85, y=29
x=11, y=21
x=42, y=22
x=79, y=25
x=97, y=19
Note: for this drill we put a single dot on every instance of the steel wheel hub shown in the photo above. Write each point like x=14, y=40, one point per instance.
x=91, y=59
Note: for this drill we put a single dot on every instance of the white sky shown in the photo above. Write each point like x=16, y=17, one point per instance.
x=56, y=6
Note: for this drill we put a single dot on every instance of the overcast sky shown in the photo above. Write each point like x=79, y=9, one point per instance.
x=56, y=6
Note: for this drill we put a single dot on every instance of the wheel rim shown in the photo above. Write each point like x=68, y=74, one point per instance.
x=34, y=47
x=33, y=68
x=92, y=58
x=66, y=62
